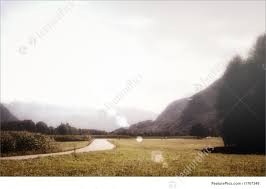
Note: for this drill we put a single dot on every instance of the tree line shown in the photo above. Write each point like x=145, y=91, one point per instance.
x=241, y=100
x=240, y=103
x=42, y=127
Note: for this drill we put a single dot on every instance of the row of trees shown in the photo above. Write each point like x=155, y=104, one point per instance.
x=201, y=131
x=241, y=101
x=41, y=127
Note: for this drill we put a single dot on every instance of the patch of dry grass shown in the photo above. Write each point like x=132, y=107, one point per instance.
x=67, y=146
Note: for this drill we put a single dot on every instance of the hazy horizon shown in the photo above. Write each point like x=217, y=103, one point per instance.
x=86, y=54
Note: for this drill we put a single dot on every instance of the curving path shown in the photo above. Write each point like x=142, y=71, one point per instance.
x=96, y=145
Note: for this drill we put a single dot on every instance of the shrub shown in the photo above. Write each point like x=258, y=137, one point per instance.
x=7, y=143
x=25, y=142
x=199, y=131
x=65, y=138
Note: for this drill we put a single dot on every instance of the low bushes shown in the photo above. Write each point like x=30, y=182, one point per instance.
x=66, y=138
x=112, y=136
x=25, y=143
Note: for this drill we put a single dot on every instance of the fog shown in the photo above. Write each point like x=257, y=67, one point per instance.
x=128, y=54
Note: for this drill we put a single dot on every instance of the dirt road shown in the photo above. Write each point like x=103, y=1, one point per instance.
x=96, y=145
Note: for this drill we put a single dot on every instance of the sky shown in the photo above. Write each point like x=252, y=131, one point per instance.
x=129, y=54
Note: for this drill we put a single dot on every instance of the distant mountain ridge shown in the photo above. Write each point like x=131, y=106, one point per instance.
x=78, y=117
x=6, y=115
x=202, y=108
x=180, y=115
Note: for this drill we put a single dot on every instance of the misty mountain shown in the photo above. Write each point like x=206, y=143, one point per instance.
x=170, y=118
x=141, y=128
x=165, y=123
x=201, y=108
x=180, y=115
x=6, y=115
x=78, y=117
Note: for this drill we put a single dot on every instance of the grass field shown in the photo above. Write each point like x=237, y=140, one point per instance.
x=67, y=146
x=132, y=158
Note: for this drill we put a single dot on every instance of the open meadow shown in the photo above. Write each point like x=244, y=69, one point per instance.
x=67, y=146
x=149, y=157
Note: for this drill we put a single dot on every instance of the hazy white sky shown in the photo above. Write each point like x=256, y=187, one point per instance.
x=84, y=53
